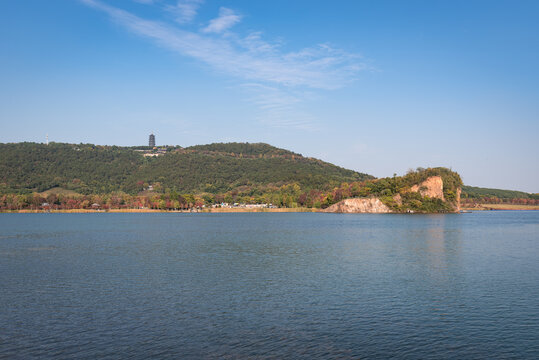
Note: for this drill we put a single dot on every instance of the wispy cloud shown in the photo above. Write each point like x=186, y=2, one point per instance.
x=185, y=10
x=227, y=18
x=280, y=107
x=249, y=58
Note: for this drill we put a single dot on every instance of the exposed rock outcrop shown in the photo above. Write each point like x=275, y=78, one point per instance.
x=433, y=187
x=359, y=205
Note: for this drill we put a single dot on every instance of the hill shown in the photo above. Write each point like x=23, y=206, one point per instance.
x=215, y=168
x=473, y=192
x=485, y=198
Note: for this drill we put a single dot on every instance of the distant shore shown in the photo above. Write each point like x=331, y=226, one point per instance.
x=210, y=210
x=486, y=207
x=481, y=207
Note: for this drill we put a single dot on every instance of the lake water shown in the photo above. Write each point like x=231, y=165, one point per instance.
x=269, y=285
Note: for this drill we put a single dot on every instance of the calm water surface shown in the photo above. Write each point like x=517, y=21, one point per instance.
x=269, y=285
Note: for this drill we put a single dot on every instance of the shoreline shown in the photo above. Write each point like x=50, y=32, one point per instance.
x=495, y=207
x=143, y=211
x=484, y=207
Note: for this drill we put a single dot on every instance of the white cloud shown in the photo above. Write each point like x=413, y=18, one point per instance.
x=278, y=80
x=280, y=107
x=185, y=10
x=254, y=43
x=227, y=18
x=319, y=67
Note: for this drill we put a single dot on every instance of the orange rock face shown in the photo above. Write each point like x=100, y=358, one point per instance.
x=363, y=205
x=433, y=187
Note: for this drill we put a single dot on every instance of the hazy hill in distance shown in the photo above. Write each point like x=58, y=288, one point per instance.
x=473, y=192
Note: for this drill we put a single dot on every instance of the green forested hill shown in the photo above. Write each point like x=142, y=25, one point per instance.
x=472, y=192
x=245, y=149
x=26, y=167
x=214, y=168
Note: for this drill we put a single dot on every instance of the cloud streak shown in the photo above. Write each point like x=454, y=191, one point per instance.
x=280, y=107
x=185, y=10
x=227, y=18
x=248, y=58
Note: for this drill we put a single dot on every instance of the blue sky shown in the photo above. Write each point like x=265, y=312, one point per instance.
x=374, y=86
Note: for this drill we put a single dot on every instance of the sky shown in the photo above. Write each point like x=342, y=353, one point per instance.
x=375, y=86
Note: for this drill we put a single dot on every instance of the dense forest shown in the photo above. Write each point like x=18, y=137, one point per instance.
x=217, y=168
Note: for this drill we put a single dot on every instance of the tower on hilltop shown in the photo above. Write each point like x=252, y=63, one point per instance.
x=151, y=143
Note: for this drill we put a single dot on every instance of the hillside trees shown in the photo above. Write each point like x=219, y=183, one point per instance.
x=215, y=168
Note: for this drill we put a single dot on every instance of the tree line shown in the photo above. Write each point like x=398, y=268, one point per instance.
x=287, y=195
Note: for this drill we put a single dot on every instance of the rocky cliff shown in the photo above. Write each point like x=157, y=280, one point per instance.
x=433, y=187
x=425, y=196
x=360, y=205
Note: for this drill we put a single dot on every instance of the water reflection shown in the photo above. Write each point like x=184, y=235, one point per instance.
x=443, y=244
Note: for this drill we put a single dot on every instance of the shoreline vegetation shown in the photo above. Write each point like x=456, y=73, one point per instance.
x=133, y=211
x=481, y=207
x=231, y=177
x=431, y=190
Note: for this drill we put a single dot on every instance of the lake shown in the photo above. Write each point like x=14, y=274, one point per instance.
x=270, y=285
